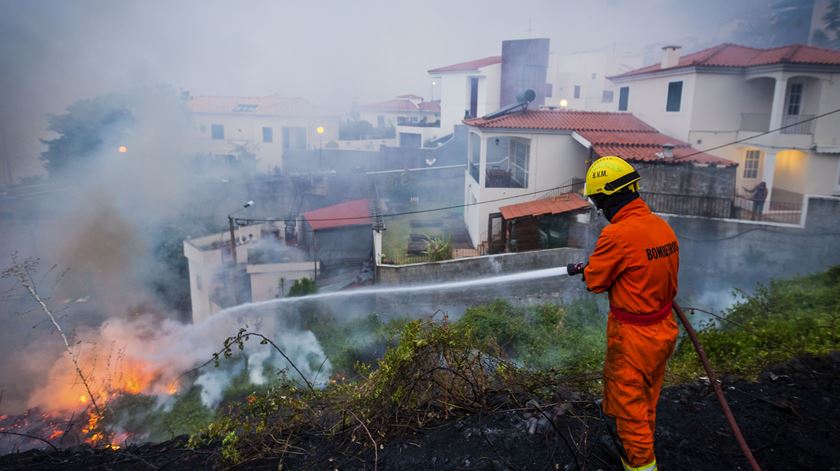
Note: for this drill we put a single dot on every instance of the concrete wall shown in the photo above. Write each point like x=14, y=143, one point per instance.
x=688, y=180
x=524, y=67
x=718, y=256
x=556, y=289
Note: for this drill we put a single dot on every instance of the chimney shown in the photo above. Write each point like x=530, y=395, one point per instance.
x=667, y=151
x=670, y=56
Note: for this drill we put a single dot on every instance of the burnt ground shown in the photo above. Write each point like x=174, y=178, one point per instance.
x=790, y=417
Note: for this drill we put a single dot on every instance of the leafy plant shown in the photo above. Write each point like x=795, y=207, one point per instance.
x=438, y=248
x=303, y=287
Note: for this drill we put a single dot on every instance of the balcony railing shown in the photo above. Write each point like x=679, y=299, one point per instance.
x=755, y=122
x=792, y=124
x=474, y=171
x=502, y=178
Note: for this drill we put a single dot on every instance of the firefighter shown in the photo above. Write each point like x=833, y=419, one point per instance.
x=635, y=261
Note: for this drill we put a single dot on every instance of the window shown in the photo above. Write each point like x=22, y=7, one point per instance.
x=751, y=164
x=594, y=75
x=623, y=96
x=473, y=97
x=217, y=131
x=198, y=282
x=519, y=159
x=245, y=107
x=577, y=91
x=475, y=155
x=380, y=121
x=268, y=135
x=794, y=98
x=674, y=96
x=607, y=96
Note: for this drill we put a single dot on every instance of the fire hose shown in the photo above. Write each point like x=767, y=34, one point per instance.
x=577, y=268
x=718, y=391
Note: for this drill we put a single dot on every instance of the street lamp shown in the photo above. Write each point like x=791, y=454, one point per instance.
x=320, y=131
x=433, y=91
x=122, y=149
x=248, y=204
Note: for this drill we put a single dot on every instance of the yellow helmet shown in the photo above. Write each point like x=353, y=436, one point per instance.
x=610, y=174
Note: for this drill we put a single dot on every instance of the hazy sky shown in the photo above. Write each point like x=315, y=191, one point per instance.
x=330, y=52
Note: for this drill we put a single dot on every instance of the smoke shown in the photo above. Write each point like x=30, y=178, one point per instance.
x=151, y=355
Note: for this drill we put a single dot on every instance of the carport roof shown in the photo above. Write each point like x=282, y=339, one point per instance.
x=556, y=205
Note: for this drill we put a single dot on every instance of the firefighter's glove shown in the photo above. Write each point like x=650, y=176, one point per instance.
x=574, y=268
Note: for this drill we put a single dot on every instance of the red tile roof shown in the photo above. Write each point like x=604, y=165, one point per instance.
x=430, y=106
x=647, y=147
x=564, y=121
x=556, y=205
x=254, y=105
x=468, y=66
x=349, y=213
x=733, y=55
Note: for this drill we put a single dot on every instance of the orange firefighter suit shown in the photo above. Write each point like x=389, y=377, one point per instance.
x=636, y=259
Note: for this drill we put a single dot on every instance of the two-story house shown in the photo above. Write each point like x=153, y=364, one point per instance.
x=467, y=89
x=265, y=127
x=779, y=106
x=415, y=121
x=530, y=154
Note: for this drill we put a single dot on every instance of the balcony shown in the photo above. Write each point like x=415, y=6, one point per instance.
x=417, y=123
x=792, y=124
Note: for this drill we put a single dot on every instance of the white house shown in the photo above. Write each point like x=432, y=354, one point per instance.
x=527, y=155
x=415, y=121
x=467, y=89
x=266, y=268
x=578, y=80
x=734, y=93
x=267, y=127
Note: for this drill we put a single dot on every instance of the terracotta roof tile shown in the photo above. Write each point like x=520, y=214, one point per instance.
x=647, y=147
x=467, y=66
x=564, y=121
x=556, y=205
x=349, y=213
x=733, y=55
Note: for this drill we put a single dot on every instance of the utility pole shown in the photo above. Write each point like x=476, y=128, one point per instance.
x=232, y=241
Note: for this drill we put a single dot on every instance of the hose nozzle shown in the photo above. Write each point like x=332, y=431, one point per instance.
x=574, y=268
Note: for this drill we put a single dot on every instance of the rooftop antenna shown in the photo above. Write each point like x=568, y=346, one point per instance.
x=522, y=102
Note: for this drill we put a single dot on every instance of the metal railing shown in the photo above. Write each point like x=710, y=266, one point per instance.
x=737, y=207
x=796, y=126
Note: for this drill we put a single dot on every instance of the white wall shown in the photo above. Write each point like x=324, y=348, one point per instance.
x=647, y=99
x=823, y=174
x=455, y=95
x=827, y=129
